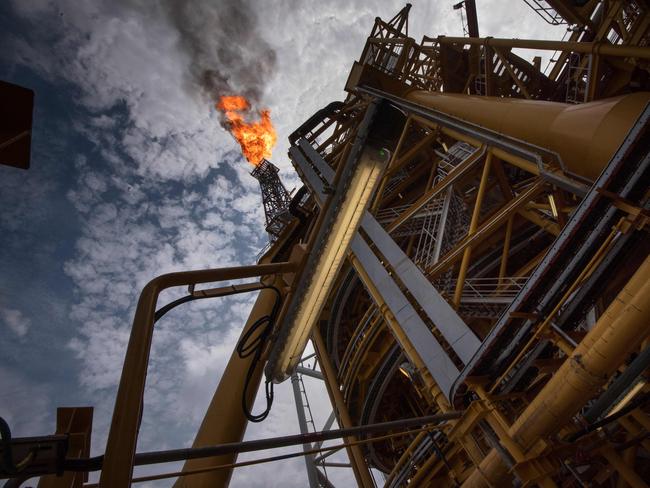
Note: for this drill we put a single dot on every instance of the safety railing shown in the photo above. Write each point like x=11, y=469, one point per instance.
x=492, y=290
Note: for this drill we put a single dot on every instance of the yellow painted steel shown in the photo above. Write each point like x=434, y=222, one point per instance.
x=503, y=265
x=442, y=185
x=486, y=229
x=405, y=457
x=385, y=178
x=123, y=434
x=545, y=325
x=473, y=225
x=224, y=420
x=626, y=472
x=618, y=332
x=401, y=336
x=585, y=136
x=357, y=461
x=76, y=423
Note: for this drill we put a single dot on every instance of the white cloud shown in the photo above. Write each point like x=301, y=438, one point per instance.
x=24, y=404
x=16, y=321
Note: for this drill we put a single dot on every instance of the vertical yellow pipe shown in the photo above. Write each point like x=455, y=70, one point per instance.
x=506, y=251
x=406, y=455
x=224, y=420
x=473, y=225
x=391, y=163
x=629, y=457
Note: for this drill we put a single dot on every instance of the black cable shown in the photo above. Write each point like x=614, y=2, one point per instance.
x=252, y=343
x=8, y=465
x=163, y=310
x=198, y=296
x=247, y=345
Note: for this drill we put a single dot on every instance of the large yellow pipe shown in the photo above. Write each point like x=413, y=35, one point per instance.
x=618, y=332
x=585, y=136
x=224, y=420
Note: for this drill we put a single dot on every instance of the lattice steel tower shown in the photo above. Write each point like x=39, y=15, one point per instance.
x=275, y=196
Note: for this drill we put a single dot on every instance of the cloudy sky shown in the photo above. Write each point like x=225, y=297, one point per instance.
x=132, y=176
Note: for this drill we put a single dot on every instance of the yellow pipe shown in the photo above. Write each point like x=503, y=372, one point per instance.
x=486, y=229
x=585, y=136
x=629, y=457
x=473, y=225
x=431, y=467
x=400, y=335
x=517, y=161
x=123, y=434
x=413, y=356
x=503, y=265
x=642, y=419
x=634, y=430
x=624, y=470
x=408, y=156
x=543, y=327
x=224, y=420
x=616, y=334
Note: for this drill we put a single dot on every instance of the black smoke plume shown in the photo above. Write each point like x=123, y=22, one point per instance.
x=228, y=54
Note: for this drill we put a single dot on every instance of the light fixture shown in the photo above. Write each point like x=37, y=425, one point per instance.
x=407, y=369
x=551, y=201
x=626, y=399
x=350, y=201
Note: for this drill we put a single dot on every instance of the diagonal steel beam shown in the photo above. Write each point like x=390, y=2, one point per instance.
x=451, y=178
x=485, y=230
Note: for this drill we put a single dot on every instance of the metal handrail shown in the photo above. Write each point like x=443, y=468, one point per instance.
x=492, y=289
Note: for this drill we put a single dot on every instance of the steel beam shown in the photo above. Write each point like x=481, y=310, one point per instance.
x=473, y=225
x=312, y=475
x=310, y=177
x=309, y=372
x=604, y=348
x=458, y=172
x=459, y=336
x=355, y=455
x=440, y=234
x=422, y=347
x=486, y=229
x=604, y=48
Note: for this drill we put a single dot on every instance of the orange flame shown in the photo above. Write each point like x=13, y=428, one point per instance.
x=256, y=138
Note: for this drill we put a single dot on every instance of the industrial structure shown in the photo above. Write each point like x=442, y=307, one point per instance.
x=469, y=258
x=275, y=197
